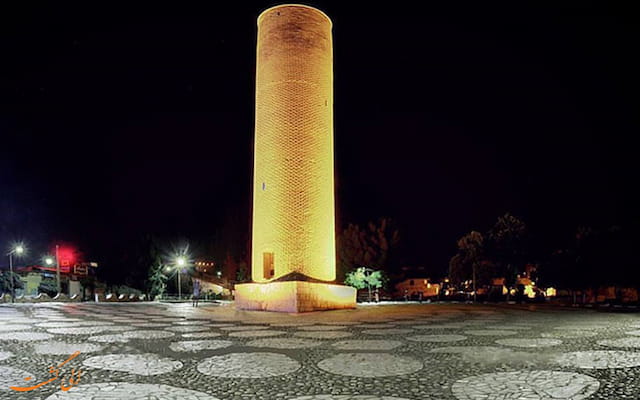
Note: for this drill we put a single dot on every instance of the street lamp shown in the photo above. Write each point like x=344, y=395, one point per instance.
x=180, y=262
x=17, y=250
x=58, y=287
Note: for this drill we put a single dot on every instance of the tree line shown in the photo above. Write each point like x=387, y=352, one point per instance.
x=596, y=257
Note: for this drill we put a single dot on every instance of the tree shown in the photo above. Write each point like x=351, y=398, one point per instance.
x=243, y=272
x=364, y=277
x=5, y=281
x=157, y=281
x=458, y=271
x=371, y=245
x=507, y=247
x=602, y=258
x=472, y=254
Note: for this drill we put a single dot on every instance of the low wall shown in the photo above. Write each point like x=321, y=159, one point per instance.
x=294, y=296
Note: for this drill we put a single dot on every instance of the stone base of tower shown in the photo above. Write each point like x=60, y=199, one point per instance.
x=294, y=296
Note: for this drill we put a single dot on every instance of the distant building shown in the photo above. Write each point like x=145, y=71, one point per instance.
x=413, y=287
x=207, y=267
x=32, y=277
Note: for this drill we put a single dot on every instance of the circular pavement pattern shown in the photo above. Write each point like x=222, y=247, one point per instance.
x=248, y=365
x=244, y=328
x=291, y=324
x=198, y=345
x=245, y=334
x=580, y=327
x=186, y=329
x=284, y=343
x=529, y=343
x=191, y=322
x=367, y=344
x=140, y=364
x=109, y=339
x=346, y=397
x=633, y=342
x=25, y=336
x=84, y=330
x=150, y=325
x=466, y=349
x=453, y=325
x=17, y=327
x=600, y=359
x=526, y=385
x=119, y=328
x=389, y=331
x=323, y=335
x=370, y=365
x=490, y=332
x=201, y=335
x=13, y=377
x=436, y=338
x=129, y=391
x=148, y=334
x=375, y=326
x=61, y=324
x=62, y=348
x=321, y=327
x=569, y=334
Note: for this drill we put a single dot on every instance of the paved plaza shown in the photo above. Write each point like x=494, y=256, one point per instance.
x=390, y=352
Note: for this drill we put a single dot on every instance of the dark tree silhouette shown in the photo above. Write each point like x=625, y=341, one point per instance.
x=507, y=247
x=370, y=246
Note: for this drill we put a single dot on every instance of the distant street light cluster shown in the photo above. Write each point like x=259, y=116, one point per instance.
x=18, y=250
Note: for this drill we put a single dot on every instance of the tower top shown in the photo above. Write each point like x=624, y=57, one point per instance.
x=282, y=7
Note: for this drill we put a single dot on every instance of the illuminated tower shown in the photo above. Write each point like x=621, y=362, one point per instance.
x=293, y=238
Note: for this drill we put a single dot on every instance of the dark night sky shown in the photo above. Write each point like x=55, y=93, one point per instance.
x=117, y=121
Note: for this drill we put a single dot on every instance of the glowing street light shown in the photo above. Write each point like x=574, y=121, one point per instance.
x=180, y=262
x=58, y=286
x=48, y=260
x=17, y=250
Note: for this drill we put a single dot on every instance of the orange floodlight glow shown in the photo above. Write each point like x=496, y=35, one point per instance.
x=293, y=187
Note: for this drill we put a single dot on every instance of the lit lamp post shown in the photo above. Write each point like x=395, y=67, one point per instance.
x=48, y=260
x=18, y=250
x=59, y=288
x=180, y=262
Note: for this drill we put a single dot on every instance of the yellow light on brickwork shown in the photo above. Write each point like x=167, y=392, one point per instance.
x=293, y=190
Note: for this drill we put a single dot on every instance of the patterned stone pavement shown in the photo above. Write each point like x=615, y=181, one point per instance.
x=381, y=352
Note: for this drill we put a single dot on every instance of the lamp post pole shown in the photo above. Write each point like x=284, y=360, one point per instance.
x=19, y=249
x=180, y=263
x=11, y=274
x=475, y=294
x=58, y=270
x=179, y=285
